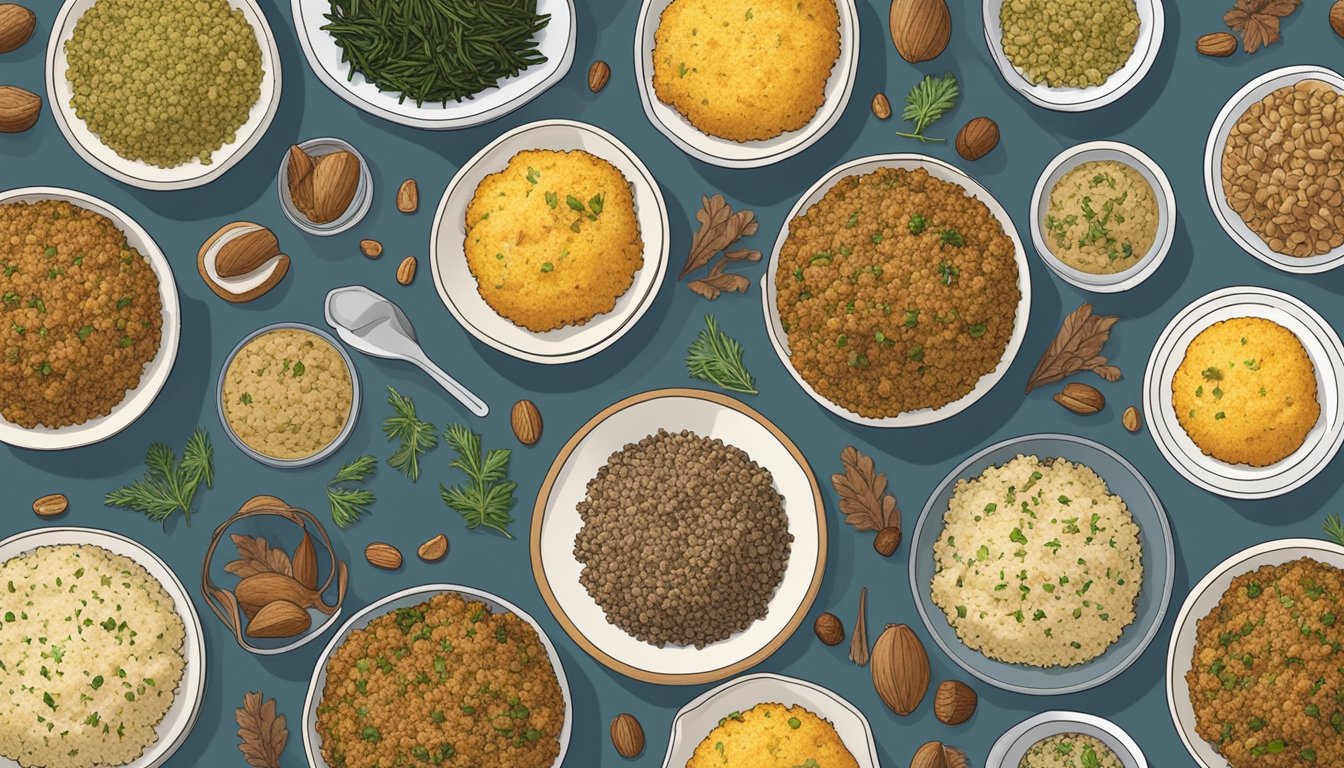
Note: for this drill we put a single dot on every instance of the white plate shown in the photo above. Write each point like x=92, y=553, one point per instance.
x=556, y=523
x=745, y=154
x=555, y=42
x=939, y=170
x=1152, y=20
x=312, y=742
x=457, y=286
x=1242, y=481
x=1202, y=600
x=141, y=174
x=138, y=400
x=1232, y=223
x=181, y=716
x=1009, y=750
x=695, y=720
x=1166, y=214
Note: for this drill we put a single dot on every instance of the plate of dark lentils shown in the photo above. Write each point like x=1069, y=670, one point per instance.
x=679, y=537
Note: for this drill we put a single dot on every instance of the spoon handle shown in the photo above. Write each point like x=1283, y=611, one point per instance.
x=463, y=395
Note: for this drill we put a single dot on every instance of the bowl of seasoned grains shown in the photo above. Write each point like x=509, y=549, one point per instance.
x=1103, y=216
x=897, y=294
x=1066, y=740
x=288, y=395
x=504, y=54
x=162, y=94
x=438, y=675
x=90, y=316
x=1273, y=169
x=1253, y=671
x=1073, y=55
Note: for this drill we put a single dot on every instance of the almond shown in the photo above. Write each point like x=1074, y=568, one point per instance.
x=299, y=175
x=305, y=562
x=51, y=505
x=598, y=75
x=900, y=669
x=406, y=270
x=954, y=702
x=977, y=138
x=935, y=754
x=888, y=539
x=335, y=179
x=526, y=422
x=829, y=629
x=246, y=253
x=408, y=196
x=881, y=106
x=245, y=258
x=1131, y=419
x=1082, y=399
x=434, y=549
x=16, y=26
x=1337, y=17
x=920, y=28
x=279, y=619
x=627, y=735
x=382, y=555
x=19, y=109
x=1216, y=44
x=371, y=248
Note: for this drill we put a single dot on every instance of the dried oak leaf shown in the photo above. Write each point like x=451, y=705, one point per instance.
x=262, y=733
x=720, y=227
x=258, y=556
x=1077, y=347
x=863, y=493
x=1258, y=21
x=718, y=281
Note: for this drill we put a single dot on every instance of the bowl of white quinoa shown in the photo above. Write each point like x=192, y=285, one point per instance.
x=1043, y=564
x=1063, y=740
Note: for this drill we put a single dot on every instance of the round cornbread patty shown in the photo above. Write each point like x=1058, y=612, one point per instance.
x=552, y=239
x=771, y=735
x=746, y=70
x=1246, y=392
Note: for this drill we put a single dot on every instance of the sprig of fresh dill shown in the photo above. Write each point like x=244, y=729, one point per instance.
x=1334, y=528
x=487, y=497
x=927, y=102
x=350, y=504
x=413, y=435
x=717, y=358
x=169, y=486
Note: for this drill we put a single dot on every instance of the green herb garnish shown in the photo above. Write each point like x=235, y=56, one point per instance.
x=168, y=486
x=717, y=358
x=413, y=435
x=928, y=102
x=487, y=498
x=350, y=504
x=1334, y=528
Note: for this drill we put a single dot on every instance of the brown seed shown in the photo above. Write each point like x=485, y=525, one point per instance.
x=299, y=174
x=526, y=422
x=279, y=619
x=881, y=106
x=1218, y=44
x=954, y=702
x=247, y=252
x=16, y=26
x=829, y=629
x=406, y=270
x=19, y=109
x=335, y=180
x=434, y=549
x=627, y=735
x=888, y=539
x=261, y=589
x=1337, y=17
x=408, y=196
x=305, y=562
x=1131, y=419
x=900, y=669
x=920, y=28
x=371, y=248
x=977, y=138
x=935, y=754
x=598, y=75
x=382, y=555
x=1082, y=399
x=51, y=505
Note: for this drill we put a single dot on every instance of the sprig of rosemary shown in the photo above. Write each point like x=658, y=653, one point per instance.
x=1334, y=528
x=168, y=486
x=413, y=435
x=487, y=498
x=717, y=358
x=350, y=504
x=927, y=102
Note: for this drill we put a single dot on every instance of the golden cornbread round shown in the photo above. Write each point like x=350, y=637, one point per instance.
x=771, y=735
x=745, y=70
x=1245, y=392
x=552, y=239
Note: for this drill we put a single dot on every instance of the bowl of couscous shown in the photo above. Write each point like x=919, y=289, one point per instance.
x=288, y=395
x=1066, y=740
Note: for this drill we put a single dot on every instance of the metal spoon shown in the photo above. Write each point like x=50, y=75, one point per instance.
x=375, y=326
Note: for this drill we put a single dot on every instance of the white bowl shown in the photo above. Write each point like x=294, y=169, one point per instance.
x=142, y=174
x=939, y=170
x=1166, y=214
x=404, y=599
x=1009, y=750
x=556, y=523
x=458, y=288
x=745, y=154
x=156, y=371
x=555, y=42
x=359, y=205
x=177, y=723
x=702, y=715
x=1232, y=223
x=1203, y=599
x=1152, y=21
x=1242, y=481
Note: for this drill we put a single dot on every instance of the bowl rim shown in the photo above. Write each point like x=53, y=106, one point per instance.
x=330, y=448
x=125, y=170
x=1060, y=718
x=1142, y=269
x=353, y=215
x=1233, y=564
x=490, y=155
x=929, y=516
x=466, y=115
x=157, y=370
x=313, y=753
x=1106, y=92
x=1235, y=107
x=698, y=144
x=859, y=166
x=577, y=635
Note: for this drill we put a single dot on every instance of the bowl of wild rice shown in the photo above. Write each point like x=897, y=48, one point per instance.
x=672, y=575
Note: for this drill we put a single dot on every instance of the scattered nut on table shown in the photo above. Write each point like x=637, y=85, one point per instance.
x=525, y=419
x=371, y=248
x=408, y=196
x=383, y=556
x=406, y=270
x=627, y=735
x=881, y=106
x=598, y=75
x=51, y=505
x=434, y=549
x=829, y=629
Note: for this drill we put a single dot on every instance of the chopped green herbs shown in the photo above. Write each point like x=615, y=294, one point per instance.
x=349, y=504
x=169, y=486
x=413, y=435
x=486, y=499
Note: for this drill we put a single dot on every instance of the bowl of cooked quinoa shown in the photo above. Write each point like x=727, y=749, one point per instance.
x=1253, y=668
x=438, y=674
x=897, y=294
x=79, y=363
x=1066, y=740
x=1073, y=55
x=162, y=94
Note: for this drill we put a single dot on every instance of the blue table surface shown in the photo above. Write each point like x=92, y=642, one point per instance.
x=1168, y=116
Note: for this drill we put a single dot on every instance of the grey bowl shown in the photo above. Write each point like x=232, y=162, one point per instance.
x=1123, y=480
x=1008, y=751
x=332, y=447
x=359, y=206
